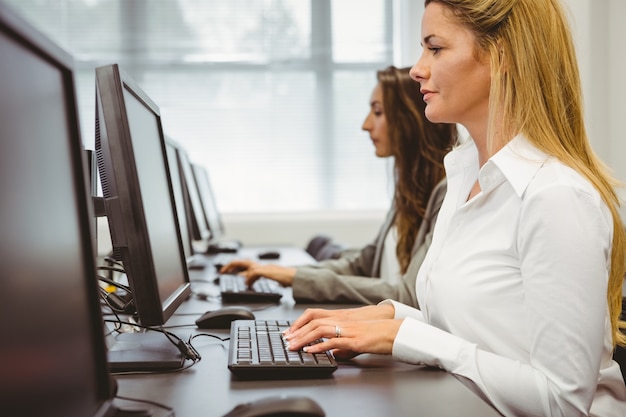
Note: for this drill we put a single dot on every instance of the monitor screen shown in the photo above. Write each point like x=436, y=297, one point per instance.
x=179, y=196
x=199, y=227
x=137, y=190
x=209, y=206
x=52, y=351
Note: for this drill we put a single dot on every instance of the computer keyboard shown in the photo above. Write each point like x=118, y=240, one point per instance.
x=233, y=289
x=221, y=259
x=257, y=351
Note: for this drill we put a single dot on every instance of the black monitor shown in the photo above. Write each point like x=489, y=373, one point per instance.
x=211, y=213
x=198, y=226
x=209, y=205
x=52, y=350
x=137, y=189
x=173, y=149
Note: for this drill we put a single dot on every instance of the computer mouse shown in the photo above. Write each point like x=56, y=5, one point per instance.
x=270, y=254
x=221, y=318
x=293, y=406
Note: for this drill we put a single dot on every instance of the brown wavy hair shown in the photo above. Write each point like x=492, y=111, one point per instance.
x=418, y=147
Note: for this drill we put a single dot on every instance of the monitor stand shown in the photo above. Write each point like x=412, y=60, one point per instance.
x=150, y=351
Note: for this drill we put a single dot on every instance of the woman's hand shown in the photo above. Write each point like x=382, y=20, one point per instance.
x=351, y=325
x=236, y=266
x=281, y=274
x=253, y=271
x=375, y=312
x=345, y=338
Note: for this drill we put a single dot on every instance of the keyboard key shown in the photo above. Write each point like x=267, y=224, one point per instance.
x=258, y=351
x=233, y=289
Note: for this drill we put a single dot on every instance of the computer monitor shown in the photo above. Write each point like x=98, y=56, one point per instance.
x=173, y=148
x=137, y=189
x=211, y=214
x=207, y=198
x=52, y=350
x=198, y=226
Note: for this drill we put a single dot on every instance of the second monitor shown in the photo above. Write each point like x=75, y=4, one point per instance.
x=140, y=208
x=138, y=195
x=211, y=213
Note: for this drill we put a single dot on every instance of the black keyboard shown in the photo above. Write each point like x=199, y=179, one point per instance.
x=257, y=351
x=234, y=290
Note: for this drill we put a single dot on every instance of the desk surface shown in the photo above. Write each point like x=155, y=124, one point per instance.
x=369, y=385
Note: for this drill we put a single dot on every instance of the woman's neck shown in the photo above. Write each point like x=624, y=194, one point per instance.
x=487, y=148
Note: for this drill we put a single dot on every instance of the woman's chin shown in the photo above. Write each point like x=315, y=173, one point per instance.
x=433, y=115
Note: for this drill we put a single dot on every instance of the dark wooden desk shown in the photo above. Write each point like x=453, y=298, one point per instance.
x=369, y=385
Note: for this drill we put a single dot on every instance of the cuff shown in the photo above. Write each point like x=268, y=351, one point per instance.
x=403, y=310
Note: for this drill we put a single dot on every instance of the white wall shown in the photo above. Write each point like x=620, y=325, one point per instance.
x=600, y=33
x=407, y=34
x=351, y=228
x=616, y=68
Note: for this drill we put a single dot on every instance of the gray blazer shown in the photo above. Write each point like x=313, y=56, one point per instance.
x=355, y=277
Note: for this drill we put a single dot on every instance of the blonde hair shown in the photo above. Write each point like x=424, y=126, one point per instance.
x=535, y=88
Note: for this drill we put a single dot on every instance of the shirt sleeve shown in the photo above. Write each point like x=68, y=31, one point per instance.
x=402, y=310
x=564, y=242
x=325, y=285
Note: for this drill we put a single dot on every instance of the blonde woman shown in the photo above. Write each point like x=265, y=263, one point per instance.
x=520, y=291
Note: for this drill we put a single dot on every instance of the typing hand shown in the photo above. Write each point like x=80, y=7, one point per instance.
x=281, y=274
x=237, y=266
x=375, y=312
x=345, y=338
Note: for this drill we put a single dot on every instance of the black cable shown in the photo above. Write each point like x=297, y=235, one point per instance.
x=111, y=268
x=109, y=281
x=116, y=306
x=221, y=339
x=153, y=328
x=113, y=261
x=185, y=348
x=124, y=304
x=117, y=323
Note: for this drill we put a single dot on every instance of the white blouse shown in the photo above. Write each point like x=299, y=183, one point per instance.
x=513, y=288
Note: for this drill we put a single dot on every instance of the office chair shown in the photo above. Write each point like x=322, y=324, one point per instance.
x=316, y=243
x=330, y=250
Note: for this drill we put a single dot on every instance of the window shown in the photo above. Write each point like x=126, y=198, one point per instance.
x=268, y=95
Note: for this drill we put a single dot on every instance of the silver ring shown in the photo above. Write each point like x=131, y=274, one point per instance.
x=337, y=331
